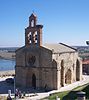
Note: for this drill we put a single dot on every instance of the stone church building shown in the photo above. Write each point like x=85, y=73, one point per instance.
x=48, y=66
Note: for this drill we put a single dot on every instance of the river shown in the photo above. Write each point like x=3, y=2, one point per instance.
x=7, y=65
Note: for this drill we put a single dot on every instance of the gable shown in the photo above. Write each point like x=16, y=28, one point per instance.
x=38, y=49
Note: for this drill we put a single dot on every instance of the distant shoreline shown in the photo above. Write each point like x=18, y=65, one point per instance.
x=7, y=55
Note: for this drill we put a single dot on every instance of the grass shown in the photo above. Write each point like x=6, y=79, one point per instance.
x=86, y=89
x=70, y=95
x=61, y=94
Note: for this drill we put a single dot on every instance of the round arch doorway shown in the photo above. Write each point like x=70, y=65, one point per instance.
x=34, y=81
x=68, y=76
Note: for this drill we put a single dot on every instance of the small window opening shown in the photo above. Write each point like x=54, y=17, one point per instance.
x=32, y=23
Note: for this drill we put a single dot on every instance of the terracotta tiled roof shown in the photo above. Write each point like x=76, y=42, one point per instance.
x=85, y=62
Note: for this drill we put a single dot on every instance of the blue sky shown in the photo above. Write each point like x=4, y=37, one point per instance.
x=64, y=21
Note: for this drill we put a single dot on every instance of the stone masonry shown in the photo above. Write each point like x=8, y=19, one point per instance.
x=48, y=66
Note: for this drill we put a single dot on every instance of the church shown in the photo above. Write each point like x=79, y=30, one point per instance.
x=49, y=66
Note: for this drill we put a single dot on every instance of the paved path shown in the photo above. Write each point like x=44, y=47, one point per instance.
x=39, y=96
x=68, y=87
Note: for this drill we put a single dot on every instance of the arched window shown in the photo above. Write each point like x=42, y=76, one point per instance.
x=36, y=37
x=32, y=23
x=30, y=37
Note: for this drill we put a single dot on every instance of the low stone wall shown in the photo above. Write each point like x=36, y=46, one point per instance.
x=7, y=73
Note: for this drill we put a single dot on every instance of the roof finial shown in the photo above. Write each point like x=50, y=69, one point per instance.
x=33, y=14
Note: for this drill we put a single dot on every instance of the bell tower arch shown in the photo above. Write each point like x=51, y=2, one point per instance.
x=33, y=33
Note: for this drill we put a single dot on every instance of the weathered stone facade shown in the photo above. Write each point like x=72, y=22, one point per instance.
x=49, y=66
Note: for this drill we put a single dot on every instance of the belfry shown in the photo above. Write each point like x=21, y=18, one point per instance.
x=33, y=33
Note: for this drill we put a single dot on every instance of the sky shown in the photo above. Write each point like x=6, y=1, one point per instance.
x=65, y=21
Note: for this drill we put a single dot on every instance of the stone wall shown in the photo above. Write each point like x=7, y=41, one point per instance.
x=70, y=67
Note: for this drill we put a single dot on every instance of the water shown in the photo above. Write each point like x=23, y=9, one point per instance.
x=7, y=65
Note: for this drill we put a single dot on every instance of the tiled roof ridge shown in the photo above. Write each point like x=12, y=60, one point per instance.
x=68, y=46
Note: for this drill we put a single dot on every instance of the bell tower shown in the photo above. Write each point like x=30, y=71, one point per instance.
x=33, y=33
